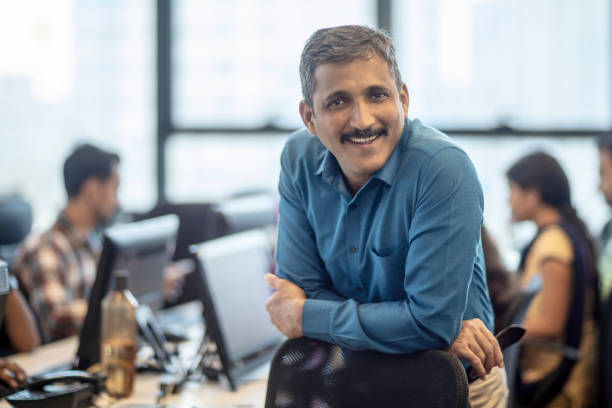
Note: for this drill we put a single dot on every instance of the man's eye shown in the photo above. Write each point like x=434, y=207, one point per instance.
x=335, y=103
x=379, y=95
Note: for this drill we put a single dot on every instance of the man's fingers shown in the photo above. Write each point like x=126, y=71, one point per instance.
x=18, y=372
x=488, y=350
x=7, y=377
x=490, y=346
x=475, y=361
x=478, y=351
x=273, y=281
x=498, y=357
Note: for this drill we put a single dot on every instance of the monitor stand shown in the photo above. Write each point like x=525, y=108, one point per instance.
x=210, y=363
x=150, y=329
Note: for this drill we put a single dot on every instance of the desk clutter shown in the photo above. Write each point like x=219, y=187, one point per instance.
x=229, y=245
x=235, y=335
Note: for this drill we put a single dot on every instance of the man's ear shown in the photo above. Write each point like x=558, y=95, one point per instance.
x=90, y=189
x=404, y=99
x=307, y=115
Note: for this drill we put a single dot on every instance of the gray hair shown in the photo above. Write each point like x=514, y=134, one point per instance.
x=344, y=44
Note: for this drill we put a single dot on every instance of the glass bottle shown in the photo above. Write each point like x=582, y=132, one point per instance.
x=119, y=338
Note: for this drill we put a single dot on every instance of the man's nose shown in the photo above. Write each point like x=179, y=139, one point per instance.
x=361, y=115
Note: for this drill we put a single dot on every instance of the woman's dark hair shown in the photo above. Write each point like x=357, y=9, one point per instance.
x=542, y=172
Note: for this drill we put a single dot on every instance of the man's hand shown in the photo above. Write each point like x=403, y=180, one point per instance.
x=285, y=306
x=174, y=277
x=477, y=346
x=11, y=373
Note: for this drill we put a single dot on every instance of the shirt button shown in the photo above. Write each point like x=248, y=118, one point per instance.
x=352, y=250
x=352, y=207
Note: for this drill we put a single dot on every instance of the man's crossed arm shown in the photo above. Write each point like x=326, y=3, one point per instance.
x=475, y=343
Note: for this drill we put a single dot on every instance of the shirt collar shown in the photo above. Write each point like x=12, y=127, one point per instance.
x=62, y=223
x=331, y=173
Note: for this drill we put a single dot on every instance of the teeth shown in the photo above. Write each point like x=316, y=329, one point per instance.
x=363, y=140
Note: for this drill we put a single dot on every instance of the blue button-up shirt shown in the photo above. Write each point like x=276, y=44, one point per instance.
x=397, y=266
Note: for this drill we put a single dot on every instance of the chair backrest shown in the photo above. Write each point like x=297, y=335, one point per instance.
x=15, y=224
x=311, y=373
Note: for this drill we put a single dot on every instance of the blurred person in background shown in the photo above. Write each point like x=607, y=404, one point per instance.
x=19, y=331
x=562, y=256
x=604, y=268
x=605, y=243
x=58, y=267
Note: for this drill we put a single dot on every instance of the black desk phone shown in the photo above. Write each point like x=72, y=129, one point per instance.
x=65, y=389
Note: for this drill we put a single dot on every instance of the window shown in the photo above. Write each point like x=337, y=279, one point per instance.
x=235, y=63
x=480, y=64
x=74, y=71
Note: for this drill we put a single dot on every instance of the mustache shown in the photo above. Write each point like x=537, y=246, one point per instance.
x=363, y=133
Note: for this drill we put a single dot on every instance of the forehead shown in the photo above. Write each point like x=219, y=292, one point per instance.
x=361, y=72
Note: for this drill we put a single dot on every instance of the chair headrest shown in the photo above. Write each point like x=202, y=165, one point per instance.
x=15, y=220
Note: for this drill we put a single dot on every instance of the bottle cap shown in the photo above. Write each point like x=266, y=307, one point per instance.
x=121, y=280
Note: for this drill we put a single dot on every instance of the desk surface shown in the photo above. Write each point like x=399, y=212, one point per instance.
x=251, y=393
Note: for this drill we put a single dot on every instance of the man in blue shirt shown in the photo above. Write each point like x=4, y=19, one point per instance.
x=379, y=229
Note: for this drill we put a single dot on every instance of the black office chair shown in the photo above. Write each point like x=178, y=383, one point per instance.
x=309, y=373
x=15, y=225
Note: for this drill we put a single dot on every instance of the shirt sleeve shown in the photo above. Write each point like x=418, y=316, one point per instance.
x=297, y=257
x=59, y=315
x=443, y=245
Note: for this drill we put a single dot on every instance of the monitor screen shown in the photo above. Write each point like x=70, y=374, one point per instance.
x=143, y=248
x=233, y=269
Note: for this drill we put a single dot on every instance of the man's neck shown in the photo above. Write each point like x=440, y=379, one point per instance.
x=80, y=216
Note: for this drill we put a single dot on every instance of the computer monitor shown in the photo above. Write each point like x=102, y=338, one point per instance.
x=234, y=300
x=143, y=248
x=4, y=287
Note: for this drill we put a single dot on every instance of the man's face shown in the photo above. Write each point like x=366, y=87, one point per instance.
x=358, y=114
x=106, y=202
x=605, y=173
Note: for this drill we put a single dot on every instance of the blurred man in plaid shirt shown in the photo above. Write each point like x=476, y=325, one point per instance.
x=57, y=268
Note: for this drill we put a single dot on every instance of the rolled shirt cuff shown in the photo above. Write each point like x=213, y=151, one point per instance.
x=316, y=317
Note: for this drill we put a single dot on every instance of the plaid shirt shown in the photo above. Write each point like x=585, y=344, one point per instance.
x=56, y=270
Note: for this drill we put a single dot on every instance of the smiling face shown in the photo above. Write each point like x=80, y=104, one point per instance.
x=358, y=114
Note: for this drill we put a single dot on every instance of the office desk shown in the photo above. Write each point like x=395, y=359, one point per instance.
x=251, y=393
